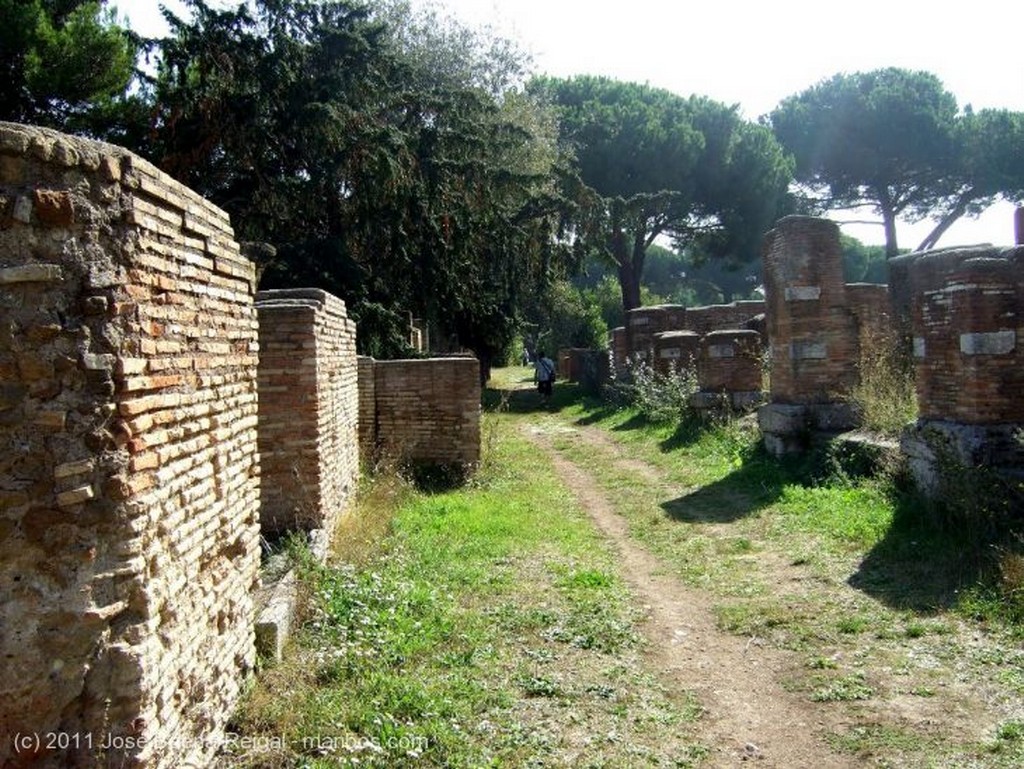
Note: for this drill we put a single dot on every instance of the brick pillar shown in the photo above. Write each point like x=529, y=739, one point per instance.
x=812, y=335
x=967, y=309
x=675, y=350
x=309, y=409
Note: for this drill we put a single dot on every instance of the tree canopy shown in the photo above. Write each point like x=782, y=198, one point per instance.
x=895, y=140
x=59, y=59
x=660, y=165
x=405, y=184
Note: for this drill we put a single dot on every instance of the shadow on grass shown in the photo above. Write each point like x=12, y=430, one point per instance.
x=529, y=401
x=754, y=485
x=928, y=558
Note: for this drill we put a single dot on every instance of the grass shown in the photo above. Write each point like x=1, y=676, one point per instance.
x=485, y=626
x=490, y=626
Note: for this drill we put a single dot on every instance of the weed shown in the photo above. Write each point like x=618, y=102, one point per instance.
x=661, y=397
x=884, y=395
x=843, y=689
x=853, y=625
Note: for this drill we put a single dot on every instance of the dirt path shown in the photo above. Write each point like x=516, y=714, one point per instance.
x=749, y=717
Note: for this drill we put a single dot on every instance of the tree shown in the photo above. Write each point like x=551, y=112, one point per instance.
x=663, y=166
x=59, y=59
x=988, y=164
x=893, y=139
x=325, y=129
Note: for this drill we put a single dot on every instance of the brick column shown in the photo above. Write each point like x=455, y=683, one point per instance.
x=812, y=335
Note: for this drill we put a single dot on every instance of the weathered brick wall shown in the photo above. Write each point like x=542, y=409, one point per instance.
x=619, y=348
x=718, y=317
x=422, y=410
x=675, y=350
x=571, y=362
x=869, y=303
x=367, y=409
x=642, y=323
x=966, y=318
x=730, y=361
x=128, y=482
x=308, y=409
x=813, y=335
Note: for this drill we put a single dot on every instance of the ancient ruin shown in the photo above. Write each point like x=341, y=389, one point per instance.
x=130, y=478
x=155, y=412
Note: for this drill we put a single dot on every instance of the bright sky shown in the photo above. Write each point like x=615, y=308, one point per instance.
x=754, y=53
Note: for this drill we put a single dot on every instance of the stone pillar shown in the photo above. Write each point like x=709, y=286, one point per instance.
x=309, y=409
x=813, y=337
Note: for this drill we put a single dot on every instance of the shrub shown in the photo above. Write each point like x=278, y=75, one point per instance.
x=661, y=397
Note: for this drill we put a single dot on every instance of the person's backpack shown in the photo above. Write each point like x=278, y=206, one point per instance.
x=551, y=372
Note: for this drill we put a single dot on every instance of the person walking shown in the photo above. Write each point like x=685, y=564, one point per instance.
x=544, y=375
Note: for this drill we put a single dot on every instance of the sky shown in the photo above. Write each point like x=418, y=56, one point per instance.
x=754, y=53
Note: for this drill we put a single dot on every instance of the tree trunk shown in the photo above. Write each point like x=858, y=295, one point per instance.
x=629, y=282
x=629, y=277
x=940, y=229
x=889, y=220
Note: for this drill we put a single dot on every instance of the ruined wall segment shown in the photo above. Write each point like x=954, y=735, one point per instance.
x=368, y=449
x=129, y=480
x=675, y=351
x=426, y=411
x=642, y=323
x=966, y=322
x=618, y=347
x=719, y=317
x=814, y=346
x=730, y=361
x=308, y=409
x=966, y=316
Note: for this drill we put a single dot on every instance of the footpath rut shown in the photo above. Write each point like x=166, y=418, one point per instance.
x=748, y=717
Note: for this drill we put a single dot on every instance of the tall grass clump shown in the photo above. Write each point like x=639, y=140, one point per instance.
x=884, y=396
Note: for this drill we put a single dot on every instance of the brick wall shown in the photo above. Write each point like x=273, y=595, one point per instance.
x=813, y=335
x=422, y=410
x=870, y=305
x=718, y=317
x=128, y=483
x=642, y=323
x=966, y=315
x=367, y=409
x=675, y=350
x=571, y=363
x=619, y=348
x=730, y=361
x=308, y=409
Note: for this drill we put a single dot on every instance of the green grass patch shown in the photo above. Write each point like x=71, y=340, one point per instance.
x=456, y=637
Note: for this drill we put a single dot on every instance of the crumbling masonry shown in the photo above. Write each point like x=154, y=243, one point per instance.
x=129, y=474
